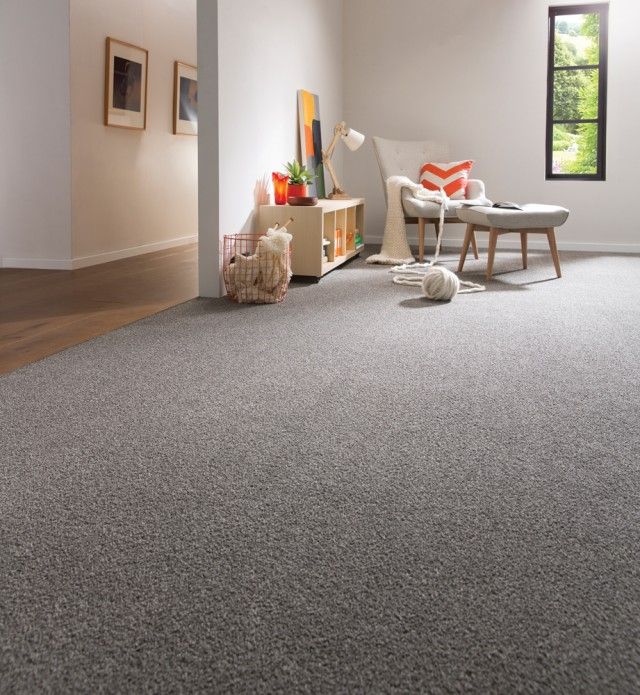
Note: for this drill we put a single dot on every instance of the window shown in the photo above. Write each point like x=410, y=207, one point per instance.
x=577, y=92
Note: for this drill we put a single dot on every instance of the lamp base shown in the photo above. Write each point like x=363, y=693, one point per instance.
x=338, y=194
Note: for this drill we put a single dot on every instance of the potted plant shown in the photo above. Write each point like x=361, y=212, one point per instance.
x=299, y=179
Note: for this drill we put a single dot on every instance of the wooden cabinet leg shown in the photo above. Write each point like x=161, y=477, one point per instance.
x=474, y=244
x=523, y=246
x=551, y=236
x=493, y=240
x=421, y=227
x=469, y=235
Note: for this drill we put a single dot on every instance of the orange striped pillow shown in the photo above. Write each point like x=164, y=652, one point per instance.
x=452, y=177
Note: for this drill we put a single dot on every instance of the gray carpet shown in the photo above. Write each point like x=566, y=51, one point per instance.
x=354, y=491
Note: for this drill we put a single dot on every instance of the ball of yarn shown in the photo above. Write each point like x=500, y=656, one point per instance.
x=440, y=284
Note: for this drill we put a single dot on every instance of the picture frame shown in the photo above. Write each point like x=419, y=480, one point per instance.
x=185, y=99
x=126, y=85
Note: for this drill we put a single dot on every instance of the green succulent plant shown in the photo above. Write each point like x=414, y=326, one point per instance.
x=297, y=173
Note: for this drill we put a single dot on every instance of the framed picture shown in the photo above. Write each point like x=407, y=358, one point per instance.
x=311, y=140
x=125, y=89
x=185, y=99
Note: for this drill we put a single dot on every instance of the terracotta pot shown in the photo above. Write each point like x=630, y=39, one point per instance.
x=299, y=190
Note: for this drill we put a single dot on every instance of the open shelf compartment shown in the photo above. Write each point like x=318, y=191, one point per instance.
x=339, y=222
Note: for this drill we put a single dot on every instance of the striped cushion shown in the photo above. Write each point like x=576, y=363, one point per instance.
x=452, y=177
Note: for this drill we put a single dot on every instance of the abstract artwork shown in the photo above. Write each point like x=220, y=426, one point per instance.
x=311, y=140
x=125, y=90
x=127, y=84
x=185, y=99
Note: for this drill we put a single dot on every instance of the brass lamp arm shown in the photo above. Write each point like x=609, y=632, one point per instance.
x=338, y=132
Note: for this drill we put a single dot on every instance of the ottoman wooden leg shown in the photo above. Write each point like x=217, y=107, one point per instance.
x=523, y=246
x=421, y=227
x=493, y=240
x=551, y=236
x=468, y=237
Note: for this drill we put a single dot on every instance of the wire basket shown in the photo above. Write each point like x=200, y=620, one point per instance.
x=253, y=272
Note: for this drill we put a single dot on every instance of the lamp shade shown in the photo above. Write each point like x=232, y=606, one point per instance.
x=353, y=139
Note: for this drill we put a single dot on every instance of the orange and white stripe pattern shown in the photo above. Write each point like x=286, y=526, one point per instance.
x=451, y=177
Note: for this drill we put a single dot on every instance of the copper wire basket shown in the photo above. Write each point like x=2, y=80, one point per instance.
x=251, y=275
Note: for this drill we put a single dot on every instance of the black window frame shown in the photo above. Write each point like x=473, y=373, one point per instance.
x=554, y=11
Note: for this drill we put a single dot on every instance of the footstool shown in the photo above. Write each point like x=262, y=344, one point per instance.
x=532, y=219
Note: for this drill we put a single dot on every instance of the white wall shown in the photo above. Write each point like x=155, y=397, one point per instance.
x=268, y=49
x=133, y=191
x=474, y=74
x=35, y=188
x=208, y=151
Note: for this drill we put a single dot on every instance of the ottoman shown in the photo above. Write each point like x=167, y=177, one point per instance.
x=532, y=219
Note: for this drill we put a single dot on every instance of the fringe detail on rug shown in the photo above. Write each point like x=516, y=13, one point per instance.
x=395, y=247
x=387, y=260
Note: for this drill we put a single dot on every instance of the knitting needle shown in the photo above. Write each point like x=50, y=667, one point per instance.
x=286, y=224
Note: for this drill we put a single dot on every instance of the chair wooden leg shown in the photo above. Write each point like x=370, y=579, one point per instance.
x=469, y=235
x=551, y=236
x=474, y=244
x=421, y=228
x=523, y=246
x=493, y=240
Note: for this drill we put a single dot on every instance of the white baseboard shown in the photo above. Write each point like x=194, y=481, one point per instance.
x=514, y=243
x=85, y=261
x=36, y=263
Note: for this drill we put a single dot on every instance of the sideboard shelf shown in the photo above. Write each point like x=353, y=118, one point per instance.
x=337, y=221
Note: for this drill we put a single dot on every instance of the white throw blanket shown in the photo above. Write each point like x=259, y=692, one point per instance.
x=395, y=247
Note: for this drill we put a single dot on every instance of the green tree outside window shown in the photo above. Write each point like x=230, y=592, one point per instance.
x=575, y=94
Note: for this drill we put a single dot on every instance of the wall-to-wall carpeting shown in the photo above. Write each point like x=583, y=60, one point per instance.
x=354, y=491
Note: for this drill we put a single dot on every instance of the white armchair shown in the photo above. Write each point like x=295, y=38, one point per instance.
x=404, y=158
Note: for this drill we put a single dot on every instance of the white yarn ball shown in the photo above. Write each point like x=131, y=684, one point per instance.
x=440, y=283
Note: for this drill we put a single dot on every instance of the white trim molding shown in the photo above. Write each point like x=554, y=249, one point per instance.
x=453, y=242
x=96, y=259
x=37, y=263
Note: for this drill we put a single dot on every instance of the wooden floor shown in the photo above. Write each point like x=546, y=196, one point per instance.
x=45, y=311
